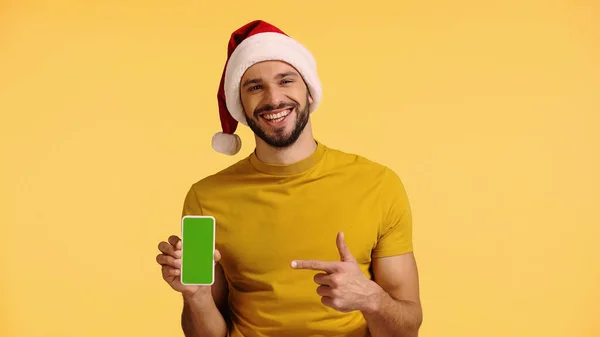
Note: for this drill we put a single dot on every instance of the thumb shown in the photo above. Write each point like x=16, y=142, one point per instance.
x=345, y=254
x=217, y=256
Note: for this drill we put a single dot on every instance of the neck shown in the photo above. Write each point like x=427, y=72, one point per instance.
x=301, y=149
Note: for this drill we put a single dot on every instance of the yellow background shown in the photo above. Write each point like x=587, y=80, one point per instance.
x=489, y=111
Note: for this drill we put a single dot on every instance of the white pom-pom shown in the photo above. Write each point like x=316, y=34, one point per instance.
x=226, y=143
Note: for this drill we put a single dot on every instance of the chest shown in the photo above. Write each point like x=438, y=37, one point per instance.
x=261, y=230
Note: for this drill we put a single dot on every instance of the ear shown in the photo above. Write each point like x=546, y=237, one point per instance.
x=308, y=93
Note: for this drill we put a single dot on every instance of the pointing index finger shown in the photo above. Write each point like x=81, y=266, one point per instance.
x=329, y=267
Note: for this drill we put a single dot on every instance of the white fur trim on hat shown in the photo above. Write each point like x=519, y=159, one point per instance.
x=263, y=47
x=226, y=143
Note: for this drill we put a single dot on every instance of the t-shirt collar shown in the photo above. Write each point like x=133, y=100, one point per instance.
x=289, y=169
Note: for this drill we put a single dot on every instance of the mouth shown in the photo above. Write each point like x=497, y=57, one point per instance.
x=277, y=117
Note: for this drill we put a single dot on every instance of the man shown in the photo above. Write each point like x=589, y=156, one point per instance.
x=310, y=241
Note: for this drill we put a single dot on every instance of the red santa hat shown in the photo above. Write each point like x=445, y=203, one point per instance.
x=255, y=42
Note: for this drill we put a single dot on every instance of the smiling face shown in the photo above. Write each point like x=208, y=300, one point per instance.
x=276, y=102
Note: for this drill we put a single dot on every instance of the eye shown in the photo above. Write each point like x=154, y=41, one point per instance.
x=286, y=81
x=256, y=87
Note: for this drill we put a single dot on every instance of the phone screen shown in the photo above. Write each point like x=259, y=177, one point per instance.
x=197, y=253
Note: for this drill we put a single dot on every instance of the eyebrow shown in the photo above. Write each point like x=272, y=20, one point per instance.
x=278, y=76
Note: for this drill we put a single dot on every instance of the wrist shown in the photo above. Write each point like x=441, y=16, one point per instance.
x=198, y=297
x=375, y=300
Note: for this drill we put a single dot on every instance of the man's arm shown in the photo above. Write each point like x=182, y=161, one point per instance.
x=396, y=309
x=390, y=303
x=207, y=315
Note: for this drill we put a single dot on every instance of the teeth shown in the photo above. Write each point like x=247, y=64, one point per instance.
x=277, y=117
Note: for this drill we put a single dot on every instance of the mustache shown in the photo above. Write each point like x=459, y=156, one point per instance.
x=282, y=105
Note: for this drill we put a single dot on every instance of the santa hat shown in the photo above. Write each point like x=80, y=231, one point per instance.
x=255, y=42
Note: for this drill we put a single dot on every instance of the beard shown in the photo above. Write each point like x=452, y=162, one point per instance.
x=278, y=138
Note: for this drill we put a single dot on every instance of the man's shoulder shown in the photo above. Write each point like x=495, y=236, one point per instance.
x=365, y=170
x=345, y=159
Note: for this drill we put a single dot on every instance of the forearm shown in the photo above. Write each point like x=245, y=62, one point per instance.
x=388, y=317
x=202, y=318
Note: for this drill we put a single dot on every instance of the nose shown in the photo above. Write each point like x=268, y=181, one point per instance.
x=272, y=96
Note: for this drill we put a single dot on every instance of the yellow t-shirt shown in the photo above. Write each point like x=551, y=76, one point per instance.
x=268, y=215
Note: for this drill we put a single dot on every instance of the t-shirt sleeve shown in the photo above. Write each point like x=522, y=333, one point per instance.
x=191, y=204
x=395, y=232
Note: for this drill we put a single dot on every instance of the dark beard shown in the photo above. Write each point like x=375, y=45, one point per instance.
x=280, y=139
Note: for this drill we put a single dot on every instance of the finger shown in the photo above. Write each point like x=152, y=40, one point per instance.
x=326, y=266
x=333, y=280
x=334, y=303
x=175, y=241
x=325, y=291
x=345, y=254
x=328, y=301
x=167, y=260
x=167, y=248
x=323, y=279
x=170, y=272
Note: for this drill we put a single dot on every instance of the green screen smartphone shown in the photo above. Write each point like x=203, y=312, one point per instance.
x=198, y=248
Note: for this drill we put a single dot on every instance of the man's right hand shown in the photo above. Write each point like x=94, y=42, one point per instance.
x=170, y=260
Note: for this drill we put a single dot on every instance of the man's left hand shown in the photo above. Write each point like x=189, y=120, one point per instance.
x=342, y=284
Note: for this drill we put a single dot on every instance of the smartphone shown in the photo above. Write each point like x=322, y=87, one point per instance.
x=198, y=248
